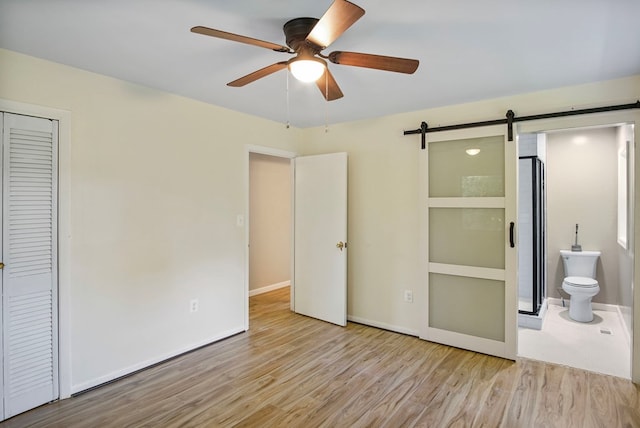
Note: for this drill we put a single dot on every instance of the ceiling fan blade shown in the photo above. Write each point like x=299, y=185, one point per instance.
x=335, y=21
x=238, y=38
x=378, y=62
x=263, y=72
x=329, y=87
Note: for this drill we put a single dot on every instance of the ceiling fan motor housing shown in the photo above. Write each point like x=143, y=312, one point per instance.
x=296, y=32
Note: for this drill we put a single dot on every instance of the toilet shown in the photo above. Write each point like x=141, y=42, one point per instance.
x=580, y=282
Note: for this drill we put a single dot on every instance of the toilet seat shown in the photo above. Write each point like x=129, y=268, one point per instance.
x=581, y=282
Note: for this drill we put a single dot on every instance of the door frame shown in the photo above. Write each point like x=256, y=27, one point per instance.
x=279, y=153
x=507, y=349
x=609, y=119
x=64, y=230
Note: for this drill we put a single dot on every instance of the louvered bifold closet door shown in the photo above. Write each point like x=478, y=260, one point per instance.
x=29, y=278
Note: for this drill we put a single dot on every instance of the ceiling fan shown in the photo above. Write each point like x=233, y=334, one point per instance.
x=307, y=38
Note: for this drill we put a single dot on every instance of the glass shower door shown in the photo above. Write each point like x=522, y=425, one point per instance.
x=532, y=255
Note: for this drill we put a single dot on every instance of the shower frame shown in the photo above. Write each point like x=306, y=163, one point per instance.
x=539, y=239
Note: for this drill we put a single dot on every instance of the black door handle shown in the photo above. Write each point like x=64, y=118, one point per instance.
x=512, y=225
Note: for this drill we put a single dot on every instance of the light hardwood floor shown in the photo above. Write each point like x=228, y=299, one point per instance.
x=294, y=371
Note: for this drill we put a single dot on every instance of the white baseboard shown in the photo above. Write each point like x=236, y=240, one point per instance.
x=148, y=363
x=268, y=288
x=594, y=305
x=557, y=302
x=383, y=326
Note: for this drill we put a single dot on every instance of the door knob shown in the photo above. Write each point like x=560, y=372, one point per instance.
x=1, y=265
x=341, y=245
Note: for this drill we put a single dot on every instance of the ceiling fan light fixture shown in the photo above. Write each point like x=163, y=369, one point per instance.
x=307, y=38
x=307, y=69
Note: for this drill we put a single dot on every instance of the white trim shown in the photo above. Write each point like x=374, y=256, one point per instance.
x=64, y=231
x=604, y=307
x=270, y=151
x=422, y=295
x=582, y=121
x=292, y=274
x=468, y=271
x=383, y=326
x=466, y=202
x=268, y=288
x=150, y=362
x=595, y=305
x=511, y=254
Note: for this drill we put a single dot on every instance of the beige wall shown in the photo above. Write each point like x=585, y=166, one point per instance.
x=383, y=218
x=383, y=194
x=383, y=191
x=269, y=220
x=582, y=187
x=158, y=180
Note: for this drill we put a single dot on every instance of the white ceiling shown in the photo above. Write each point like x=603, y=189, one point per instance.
x=468, y=49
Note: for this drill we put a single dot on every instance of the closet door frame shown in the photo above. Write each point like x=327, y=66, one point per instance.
x=2, y=289
x=63, y=117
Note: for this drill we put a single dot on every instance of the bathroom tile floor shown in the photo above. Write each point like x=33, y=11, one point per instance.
x=581, y=345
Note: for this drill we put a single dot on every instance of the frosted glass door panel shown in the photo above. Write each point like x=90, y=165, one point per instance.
x=470, y=306
x=469, y=182
x=467, y=236
x=467, y=168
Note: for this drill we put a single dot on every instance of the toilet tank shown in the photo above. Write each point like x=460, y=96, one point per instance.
x=580, y=263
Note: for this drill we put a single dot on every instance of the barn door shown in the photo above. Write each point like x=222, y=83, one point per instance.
x=469, y=203
x=29, y=258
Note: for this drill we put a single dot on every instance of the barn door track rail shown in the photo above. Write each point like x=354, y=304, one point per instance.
x=511, y=118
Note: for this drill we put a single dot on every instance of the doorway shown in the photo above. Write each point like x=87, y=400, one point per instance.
x=269, y=220
x=270, y=226
x=589, y=172
x=317, y=192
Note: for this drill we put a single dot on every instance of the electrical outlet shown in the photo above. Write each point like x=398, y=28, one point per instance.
x=193, y=305
x=408, y=296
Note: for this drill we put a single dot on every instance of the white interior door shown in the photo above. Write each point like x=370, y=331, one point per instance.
x=320, y=235
x=2, y=415
x=469, y=217
x=29, y=254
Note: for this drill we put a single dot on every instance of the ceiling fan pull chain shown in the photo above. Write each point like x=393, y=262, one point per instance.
x=288, y=109
x=326, y=103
